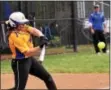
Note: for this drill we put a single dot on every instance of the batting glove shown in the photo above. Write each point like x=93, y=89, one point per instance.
x=43, y=41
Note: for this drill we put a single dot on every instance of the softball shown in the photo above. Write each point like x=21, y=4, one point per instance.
x=101, y=45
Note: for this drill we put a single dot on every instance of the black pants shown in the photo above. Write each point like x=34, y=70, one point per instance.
x=23, y=67
x=97, y=37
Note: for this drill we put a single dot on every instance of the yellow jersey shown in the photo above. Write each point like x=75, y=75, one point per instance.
x=20, y=42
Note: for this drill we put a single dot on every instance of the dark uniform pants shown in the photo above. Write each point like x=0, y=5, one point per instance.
x=97, y=37
x=23, y=67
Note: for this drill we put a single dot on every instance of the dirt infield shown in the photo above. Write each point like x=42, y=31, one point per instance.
x=63, y=81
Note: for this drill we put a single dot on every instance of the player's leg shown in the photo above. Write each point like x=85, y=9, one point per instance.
x=102, y=38
x=21, y=70
x=95, y=41
x=39, y=71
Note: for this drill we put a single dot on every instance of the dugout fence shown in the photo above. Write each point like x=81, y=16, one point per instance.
x=57, y=15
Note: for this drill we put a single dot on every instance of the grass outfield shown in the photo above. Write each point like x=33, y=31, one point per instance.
x=84, y=61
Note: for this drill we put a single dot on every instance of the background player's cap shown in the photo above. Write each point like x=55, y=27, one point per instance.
x=96, y=6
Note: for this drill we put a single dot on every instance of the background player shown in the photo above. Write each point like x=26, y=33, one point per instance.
x=98, y=28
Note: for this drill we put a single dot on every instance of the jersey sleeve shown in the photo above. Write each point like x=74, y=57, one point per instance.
x=90, y=18
x=18, y=43
x=29, y=28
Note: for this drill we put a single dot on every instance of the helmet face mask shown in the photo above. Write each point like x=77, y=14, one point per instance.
x=17, y=18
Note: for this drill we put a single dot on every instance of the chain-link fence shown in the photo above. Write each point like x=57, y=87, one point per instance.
x=56, y=17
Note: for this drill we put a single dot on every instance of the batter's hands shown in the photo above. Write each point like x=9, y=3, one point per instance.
x=43, y=41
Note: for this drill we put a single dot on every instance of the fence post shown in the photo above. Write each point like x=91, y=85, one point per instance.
x=73, y=16
x=3, y=32
x=19, y=5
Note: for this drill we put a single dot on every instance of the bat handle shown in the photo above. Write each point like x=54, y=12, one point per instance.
x=42, y=54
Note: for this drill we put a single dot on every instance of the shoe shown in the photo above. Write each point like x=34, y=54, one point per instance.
x=107, y=51
x=98, y=53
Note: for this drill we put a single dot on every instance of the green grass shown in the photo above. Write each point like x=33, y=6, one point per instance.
x=84, y=61
x=6, y=66
x=77, y=63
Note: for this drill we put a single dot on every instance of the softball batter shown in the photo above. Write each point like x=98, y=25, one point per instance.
x=23, y=62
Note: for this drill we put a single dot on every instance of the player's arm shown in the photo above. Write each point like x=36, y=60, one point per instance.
x=91, y=21
x=33, y=51
x=104, y=23
x=35, y=31
x=105, y=28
